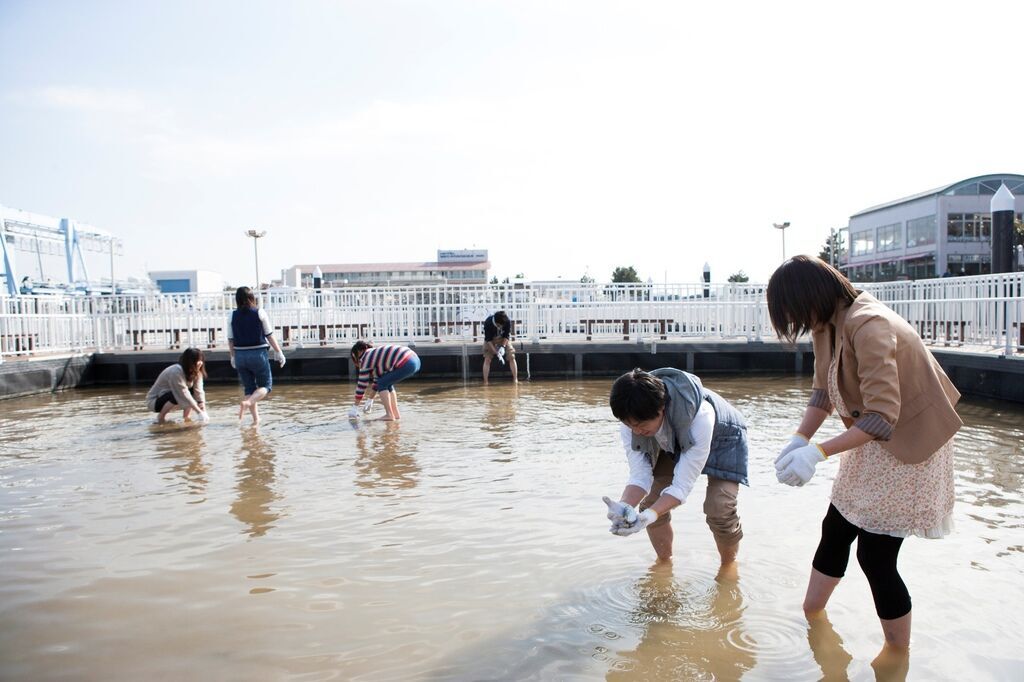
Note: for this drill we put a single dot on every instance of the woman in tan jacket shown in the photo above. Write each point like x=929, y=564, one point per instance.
x=895, y=476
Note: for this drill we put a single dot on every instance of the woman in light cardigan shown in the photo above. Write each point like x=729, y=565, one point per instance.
x=895, y=475
x=180, y=387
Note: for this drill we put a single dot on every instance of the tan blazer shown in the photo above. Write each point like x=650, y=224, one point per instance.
x=893, y=387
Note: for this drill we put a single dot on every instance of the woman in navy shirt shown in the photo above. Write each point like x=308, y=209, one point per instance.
x=250, y=335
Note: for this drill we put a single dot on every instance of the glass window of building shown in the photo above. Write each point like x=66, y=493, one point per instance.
x=921, y=231
x=889, y=270
x=863, y=242
x=890, y=237
x=968, y=227
x=921, y=268
x=969, y=263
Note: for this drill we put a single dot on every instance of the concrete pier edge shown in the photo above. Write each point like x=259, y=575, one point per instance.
x=974, y=373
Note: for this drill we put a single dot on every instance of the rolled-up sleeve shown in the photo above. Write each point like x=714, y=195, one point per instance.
x=641, y=473
x=819, y=398
x=692, y=460
x=874, y=346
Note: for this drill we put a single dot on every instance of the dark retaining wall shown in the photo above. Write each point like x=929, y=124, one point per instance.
x=986, y=375
x=26, y=377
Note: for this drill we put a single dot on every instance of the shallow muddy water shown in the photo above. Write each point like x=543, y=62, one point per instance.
x=467, y=542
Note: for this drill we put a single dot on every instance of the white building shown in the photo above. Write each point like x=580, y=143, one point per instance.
x=451, y=267
x=187, y=281
x=948, y=229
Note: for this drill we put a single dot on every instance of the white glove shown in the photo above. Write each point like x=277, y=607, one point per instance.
x=795, y=441
x=646, y=518
x=368, y=406
x=620, y=513
x=353, y=412
x=279, y=356
x=501, y=354
x=203, y=417
x=233, y=362
x=797, y=466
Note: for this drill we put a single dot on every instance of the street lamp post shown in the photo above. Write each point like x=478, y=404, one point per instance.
x=782, y=227
x=255, y=252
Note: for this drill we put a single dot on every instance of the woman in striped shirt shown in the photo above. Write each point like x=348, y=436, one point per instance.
x=380, y=368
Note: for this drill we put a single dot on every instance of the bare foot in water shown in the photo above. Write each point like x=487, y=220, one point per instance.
x=241, y=409
x=254, y=410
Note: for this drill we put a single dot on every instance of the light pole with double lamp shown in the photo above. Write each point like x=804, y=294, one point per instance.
x=256, y=253
x=782, y=227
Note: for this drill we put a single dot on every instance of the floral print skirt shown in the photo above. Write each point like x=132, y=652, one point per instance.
x=880, y=494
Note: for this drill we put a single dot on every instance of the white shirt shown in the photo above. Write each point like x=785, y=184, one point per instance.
x=691, y=462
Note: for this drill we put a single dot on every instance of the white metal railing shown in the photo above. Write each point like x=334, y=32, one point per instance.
x=984, y=311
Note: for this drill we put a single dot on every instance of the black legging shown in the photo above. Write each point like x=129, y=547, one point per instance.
x=876, y=554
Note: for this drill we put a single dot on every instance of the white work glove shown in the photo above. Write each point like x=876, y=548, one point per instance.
x=644, y=519
x=501, y=354
x=795, y=441
x=620, y=513
x=797, y=466
x=233, y=362
x=368, y=406
x=353, y=412
x=203, y=417
x=279, y=356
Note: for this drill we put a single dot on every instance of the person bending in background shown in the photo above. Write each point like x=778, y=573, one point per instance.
x=498, y=344
x=250, y=335
x=895, y=476
x=180, y=387
x=380, y=368
x=673, y=430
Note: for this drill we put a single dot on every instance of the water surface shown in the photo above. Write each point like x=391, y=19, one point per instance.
x=467, y=542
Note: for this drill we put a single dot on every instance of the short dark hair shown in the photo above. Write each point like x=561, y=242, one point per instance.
x=244, y=298
x=804, y=292
x=501, y=318
x=638, y=396
x=358, y=348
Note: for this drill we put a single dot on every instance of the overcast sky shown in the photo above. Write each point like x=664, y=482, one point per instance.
x=564, y=137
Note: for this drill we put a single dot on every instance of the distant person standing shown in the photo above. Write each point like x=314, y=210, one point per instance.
x=180, y=387
x=498, y=344
x=250, y=335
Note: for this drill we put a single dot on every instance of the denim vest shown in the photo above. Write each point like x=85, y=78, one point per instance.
x=685, y=393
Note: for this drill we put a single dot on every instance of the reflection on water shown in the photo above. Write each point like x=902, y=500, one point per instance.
x=467, y=541
x=827, y=647
x=688, y=634
x=186, y=465
x=382, y=463
x=254, y=504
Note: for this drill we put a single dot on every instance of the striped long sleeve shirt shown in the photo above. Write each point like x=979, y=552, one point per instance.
x=377, y=361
